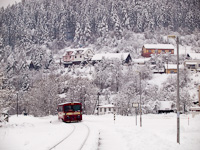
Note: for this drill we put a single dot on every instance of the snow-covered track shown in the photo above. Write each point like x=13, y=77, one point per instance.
x=86, y=137
x=63, y=138
x=75, y=140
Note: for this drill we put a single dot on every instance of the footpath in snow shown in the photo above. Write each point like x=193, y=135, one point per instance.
x=158, y=132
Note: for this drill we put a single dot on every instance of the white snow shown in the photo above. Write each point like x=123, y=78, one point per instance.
x=157, y=132
x=195, y=56
x=5, y=3
x=173, y=66
x=120, y=56
x=159, y=46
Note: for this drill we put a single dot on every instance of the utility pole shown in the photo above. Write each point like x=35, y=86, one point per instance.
x=140, y=102
x=178, y=99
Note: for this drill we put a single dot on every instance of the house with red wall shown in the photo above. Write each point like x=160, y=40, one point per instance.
x=149, y=49
x=77, y=56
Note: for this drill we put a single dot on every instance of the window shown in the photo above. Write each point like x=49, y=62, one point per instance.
x=199, y=65
x=109, y=109
x=72, y=108
x=100, y=109
x=75, y=56
x=104, y=109
x=60, y=109
x=192, y=66
x=149, y=51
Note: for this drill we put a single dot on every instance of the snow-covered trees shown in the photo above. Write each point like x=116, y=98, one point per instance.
x=39, y=22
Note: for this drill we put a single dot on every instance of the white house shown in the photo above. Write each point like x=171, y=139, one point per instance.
x=107, y=109
x=166, y=106
x=193, y=65
x=76, y=56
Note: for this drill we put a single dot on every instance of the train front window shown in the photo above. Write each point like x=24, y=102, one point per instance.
x=76, y=107
x=72, y=108
x=68, y=108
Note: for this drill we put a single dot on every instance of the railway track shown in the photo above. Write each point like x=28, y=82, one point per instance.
x=75, y=140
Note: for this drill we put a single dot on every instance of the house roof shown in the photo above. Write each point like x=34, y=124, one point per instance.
x=159, y=46
x=194, y=55
x=165, y=105
x=107, y=106
x=74, y=51
x=141, y=60
x=68, y=103
x=121, y=56
x=190, y=63
x=172, y=66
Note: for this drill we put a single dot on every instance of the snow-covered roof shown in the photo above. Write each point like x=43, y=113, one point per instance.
x=67, y=103
x=194, y=108
x=141, y=60
x=190, y=62
x=121, y=56
x=165, y=105
x=195, y=55
x=159, y=46
x=172, y=66
x=107, y=106
x=74, y=51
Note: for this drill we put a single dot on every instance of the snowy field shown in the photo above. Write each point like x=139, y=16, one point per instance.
x=158, y=132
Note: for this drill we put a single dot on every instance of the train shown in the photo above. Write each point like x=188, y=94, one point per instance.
x=70, y=112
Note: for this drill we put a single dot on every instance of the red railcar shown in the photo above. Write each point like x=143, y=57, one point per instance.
x=70, y=112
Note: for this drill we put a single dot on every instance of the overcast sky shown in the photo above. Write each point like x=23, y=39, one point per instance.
x=5, y=3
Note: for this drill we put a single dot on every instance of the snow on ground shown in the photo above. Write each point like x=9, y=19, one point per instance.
x=157, y=132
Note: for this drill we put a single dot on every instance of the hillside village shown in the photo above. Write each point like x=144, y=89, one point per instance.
x=108, y=71
x=85, y=56
x=150, y=54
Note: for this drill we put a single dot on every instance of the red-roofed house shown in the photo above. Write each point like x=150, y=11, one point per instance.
x=149, y=49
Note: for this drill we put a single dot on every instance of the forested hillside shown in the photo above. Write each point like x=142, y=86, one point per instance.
x=83, y=22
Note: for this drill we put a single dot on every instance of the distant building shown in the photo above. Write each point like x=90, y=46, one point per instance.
x=107, y=109
x=166, y=106
x=77, y=56
x=193, y=62
x=172, y=68
x=193, y=65
x=160, y=70
x=140, y=61
x=149, y=49
x=124, y=57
